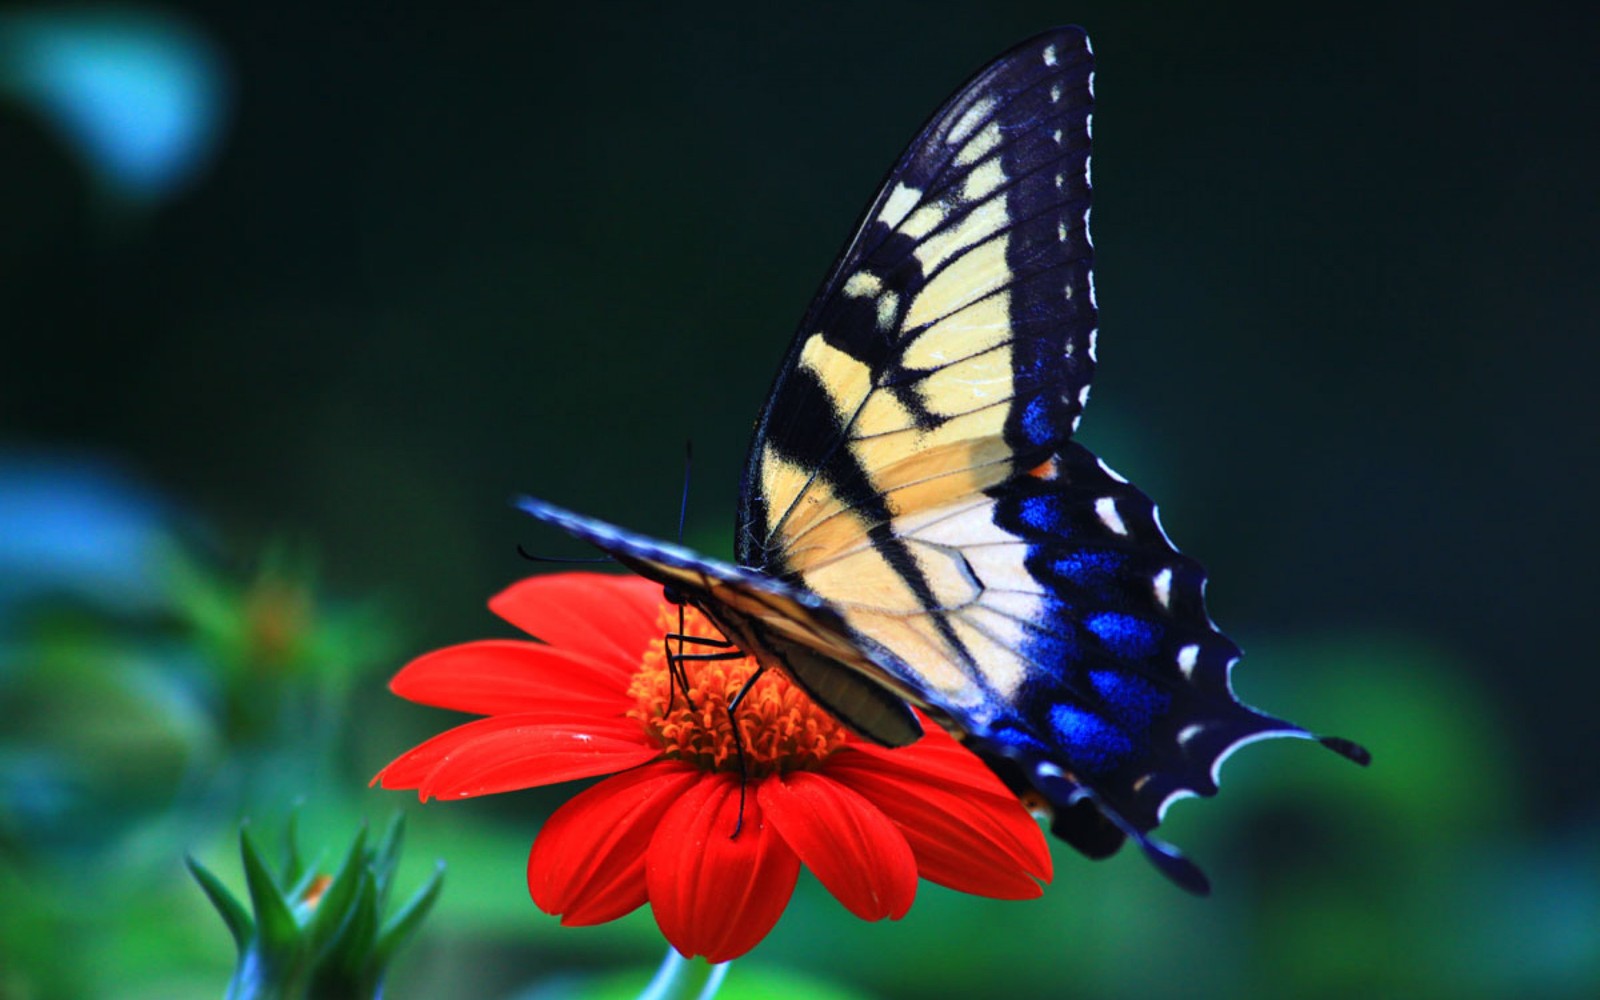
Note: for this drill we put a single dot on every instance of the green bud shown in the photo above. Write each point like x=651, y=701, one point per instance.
x=311, y=936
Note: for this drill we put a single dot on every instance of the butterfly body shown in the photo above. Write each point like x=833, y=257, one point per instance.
x=916, y=524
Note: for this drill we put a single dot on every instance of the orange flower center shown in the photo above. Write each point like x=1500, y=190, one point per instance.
x=782, y=728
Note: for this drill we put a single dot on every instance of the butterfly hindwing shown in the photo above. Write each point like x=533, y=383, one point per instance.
x=1125, y=699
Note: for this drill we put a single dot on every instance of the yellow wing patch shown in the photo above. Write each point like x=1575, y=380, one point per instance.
x=972, y=275
x=980, y=326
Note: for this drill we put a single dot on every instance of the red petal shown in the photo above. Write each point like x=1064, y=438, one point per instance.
x=498, y=676
x=939, y=752
x=968, y=840
x=610, y=618
x=851, y=846
x=587, y=863
x=524, y=750
x=714, y=894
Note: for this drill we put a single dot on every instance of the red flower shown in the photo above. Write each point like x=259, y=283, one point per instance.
x=595, y=700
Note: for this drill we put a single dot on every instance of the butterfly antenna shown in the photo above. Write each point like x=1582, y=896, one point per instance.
x=531, y=557
x=683, y=505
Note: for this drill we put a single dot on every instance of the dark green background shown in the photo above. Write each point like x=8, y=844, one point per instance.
x=1346, y=271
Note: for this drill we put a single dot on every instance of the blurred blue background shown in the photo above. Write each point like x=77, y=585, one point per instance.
x=293, y=298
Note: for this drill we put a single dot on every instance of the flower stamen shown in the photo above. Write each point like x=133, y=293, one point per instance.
x=780, y=727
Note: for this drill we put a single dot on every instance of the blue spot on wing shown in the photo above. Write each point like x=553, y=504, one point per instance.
x=1039, y=424
x=1010, y=736
x=1044, y=513
x=1134, y=700
x=1094, y=570
x=1092, y=743
x=1126, y=636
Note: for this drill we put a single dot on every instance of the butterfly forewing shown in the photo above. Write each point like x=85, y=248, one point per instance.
x=952, y=342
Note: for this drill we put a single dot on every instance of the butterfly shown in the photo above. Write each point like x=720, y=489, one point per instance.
x=916, y=525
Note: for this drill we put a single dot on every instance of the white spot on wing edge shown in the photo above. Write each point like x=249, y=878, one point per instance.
x=1163, y=587
x=898, y=205
x=1105, y=509
x=1188, y=656
x=1050, y=54
x=1108, y=470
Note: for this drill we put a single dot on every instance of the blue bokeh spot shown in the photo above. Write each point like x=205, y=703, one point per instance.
x=140, y=95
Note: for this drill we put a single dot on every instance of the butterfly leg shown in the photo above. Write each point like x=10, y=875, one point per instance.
x=677, y=660
x=738, y=743
x=678, y=678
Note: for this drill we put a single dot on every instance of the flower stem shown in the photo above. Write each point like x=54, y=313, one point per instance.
x=682, y=978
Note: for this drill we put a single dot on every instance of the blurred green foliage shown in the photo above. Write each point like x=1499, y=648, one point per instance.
x=391, y=270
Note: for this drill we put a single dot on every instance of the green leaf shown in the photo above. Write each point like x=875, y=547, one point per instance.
x=334, y=907
x=408, y=917
x=280, y=934
x=387, y=857
x=294, y=867
x=233, y=912
x=353, y=953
